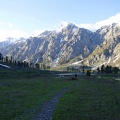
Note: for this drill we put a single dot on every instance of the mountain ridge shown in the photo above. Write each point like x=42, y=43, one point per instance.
x=71, y=43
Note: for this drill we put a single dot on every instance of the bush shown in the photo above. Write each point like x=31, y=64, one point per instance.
x=88, y=73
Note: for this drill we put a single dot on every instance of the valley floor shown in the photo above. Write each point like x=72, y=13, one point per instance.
x=31, y=94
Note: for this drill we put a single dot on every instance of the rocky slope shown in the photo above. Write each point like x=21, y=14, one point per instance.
x=54, y=46
x=70, y=44
x=108, y=52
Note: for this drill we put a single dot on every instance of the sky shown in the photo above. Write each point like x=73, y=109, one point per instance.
x=25, y=18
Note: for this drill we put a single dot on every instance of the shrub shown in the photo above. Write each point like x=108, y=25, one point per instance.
x=88, y=73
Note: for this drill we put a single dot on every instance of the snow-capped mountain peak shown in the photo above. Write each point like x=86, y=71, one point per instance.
x=65, y=25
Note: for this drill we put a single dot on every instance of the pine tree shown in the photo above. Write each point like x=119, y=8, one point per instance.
x=98, y=70
x=102, y=69
x=6, y=59
x=107, y=69
x=0, y=56
x=115, y=70
x=83, y=69
x=37, y=65
x=88, y=73
x=18, y=63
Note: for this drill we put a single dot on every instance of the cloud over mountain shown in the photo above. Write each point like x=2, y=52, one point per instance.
x=97, y=25
x=10, y=31
x=14, y=33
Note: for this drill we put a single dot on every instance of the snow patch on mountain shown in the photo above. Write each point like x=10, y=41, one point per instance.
x=11, y=41
x=61, y=40
x=26, y=59
x=119, y=23
x=76, y=63
x=95, y=67
x=37, y=47
x=58, y=57
x=63, y=25
x=74, y=30
x=109, y=60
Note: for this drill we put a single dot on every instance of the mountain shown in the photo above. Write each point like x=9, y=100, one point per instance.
x=8, y=45
x=108, y=52
x=70, y=44
x=10, y=41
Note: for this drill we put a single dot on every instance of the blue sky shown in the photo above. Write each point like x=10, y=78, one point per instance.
x=29, y=17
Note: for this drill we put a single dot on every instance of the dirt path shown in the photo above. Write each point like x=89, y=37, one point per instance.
x=48, y=108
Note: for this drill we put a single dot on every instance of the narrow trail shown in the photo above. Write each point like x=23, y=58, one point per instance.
x=48, y=108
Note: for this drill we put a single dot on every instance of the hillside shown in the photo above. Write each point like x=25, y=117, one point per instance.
x=70, y=44
x=109, y=51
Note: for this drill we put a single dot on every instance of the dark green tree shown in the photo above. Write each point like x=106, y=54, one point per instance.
x=102, y=69
x=107, y=69
x=110, y=69
x=68, y=69
x=37, y=65
x=24, y=64
x=6, y=59
x=11, y=60
x=1, y=56
x=48, y=67
x=27, y=65
x=18, y=63
x=44, y=66
x=15, y=63
x=88, y=73
x=83, y=69
x=98, y=70
x=115, y=70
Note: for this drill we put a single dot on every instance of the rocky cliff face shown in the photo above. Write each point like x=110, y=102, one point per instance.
x=71, y=43
x=54, y=47
x=108, y=52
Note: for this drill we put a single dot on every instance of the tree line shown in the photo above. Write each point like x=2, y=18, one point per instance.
x=103, y=69
x=108, y=69
x=24, y=64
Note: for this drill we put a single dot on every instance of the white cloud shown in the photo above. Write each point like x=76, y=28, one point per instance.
x=62, y=25
x=14, y=33
x=6, y=24
x=87, y=26
x=90, y=26
x=7, y=30
x=97, y=25
x=113, y=19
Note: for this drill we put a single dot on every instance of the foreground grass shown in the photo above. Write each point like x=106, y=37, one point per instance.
x=22, y=92
x=93, y=99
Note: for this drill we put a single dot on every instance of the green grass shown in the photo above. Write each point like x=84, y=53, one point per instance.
x=22, y=93
x=93, y=99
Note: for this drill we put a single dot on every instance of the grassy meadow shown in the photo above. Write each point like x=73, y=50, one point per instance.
x=23, y=92
x=94, y=99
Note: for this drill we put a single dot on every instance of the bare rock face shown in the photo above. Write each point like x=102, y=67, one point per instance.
x=108, y=52
x=70, y=43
